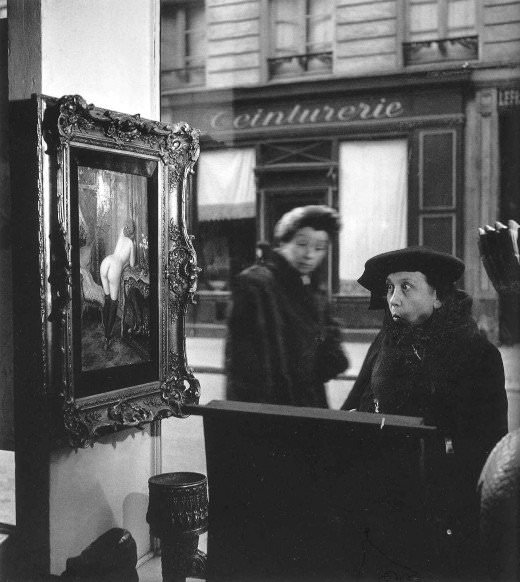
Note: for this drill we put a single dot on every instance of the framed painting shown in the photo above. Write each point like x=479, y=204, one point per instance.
x=118, y=268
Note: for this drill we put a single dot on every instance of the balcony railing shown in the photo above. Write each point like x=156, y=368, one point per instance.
x=293, y=65
x=462, y=48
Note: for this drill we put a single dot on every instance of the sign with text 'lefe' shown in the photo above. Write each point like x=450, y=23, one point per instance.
x=509, y=98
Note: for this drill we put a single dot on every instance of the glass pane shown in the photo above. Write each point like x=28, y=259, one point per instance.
x=183, y=46
x=437, y=172
x=438, y=232
x=461, y=17
x=170, y=45
x=195, y=32
x=288, y=33
x=423, y=21
x=287, y=38
x=319, y=26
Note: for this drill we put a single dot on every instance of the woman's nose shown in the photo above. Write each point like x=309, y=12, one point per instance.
x=395, y=298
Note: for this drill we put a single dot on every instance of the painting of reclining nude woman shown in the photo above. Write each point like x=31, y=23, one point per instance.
x=114, y=267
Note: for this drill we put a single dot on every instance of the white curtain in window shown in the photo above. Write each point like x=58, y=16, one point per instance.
x=226, y=185
x=372, y=203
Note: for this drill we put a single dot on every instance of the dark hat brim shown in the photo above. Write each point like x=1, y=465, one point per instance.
x=436, y=266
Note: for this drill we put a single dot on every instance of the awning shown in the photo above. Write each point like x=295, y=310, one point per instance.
x=226, y=184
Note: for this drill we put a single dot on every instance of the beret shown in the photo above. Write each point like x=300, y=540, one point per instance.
x=437, y=266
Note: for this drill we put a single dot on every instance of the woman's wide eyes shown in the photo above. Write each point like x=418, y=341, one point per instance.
x=404, y=286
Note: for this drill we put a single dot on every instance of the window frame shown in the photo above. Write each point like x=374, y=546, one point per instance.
x=183, y=60
x=442, y=17
x=440, y=45
x=302, y=57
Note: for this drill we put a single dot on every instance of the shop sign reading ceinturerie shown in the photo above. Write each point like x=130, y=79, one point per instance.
x=299, y=114
x=244, y=115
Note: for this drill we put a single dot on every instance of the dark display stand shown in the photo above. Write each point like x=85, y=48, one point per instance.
x=313, y=494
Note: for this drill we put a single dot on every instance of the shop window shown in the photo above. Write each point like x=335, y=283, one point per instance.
x=226, y=248
x=302, y=36
x=373, y=205
x=183, y=44
x=440, y=30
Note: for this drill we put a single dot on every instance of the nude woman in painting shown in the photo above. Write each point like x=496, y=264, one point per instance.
x=110, y=272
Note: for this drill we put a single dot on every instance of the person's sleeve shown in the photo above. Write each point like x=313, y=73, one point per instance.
x=331, y=358
x=363, y=380
x=484, y=423
x=248, y=362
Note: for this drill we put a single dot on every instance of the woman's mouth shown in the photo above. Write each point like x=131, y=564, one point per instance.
x=304, y=267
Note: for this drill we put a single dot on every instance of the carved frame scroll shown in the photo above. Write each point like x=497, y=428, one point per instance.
x=114, y=189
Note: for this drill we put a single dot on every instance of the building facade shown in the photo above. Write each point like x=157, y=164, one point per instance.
x=402, y=114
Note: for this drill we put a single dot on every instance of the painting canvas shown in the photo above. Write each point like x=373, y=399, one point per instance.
x=115, y=323
x=114, y=269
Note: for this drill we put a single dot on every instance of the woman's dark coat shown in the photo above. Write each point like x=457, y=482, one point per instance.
x=444, y=371
x=282, y=344
x=448, y=373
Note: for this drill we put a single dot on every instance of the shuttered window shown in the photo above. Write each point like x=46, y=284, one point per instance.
x=435, y=183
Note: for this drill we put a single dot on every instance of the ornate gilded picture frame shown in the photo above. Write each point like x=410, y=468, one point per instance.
x=118, y=268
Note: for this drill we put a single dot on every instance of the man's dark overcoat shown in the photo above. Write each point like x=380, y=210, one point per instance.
x=282, y=344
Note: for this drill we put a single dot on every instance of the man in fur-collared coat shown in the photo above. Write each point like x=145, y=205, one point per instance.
x=282, y=344
x=429, y=360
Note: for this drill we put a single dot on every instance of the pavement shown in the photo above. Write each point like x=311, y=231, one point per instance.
x=206, y=357
x=207, y=354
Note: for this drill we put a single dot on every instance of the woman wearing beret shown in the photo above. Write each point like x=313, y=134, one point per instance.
x=429, y=360
x=282, y=344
